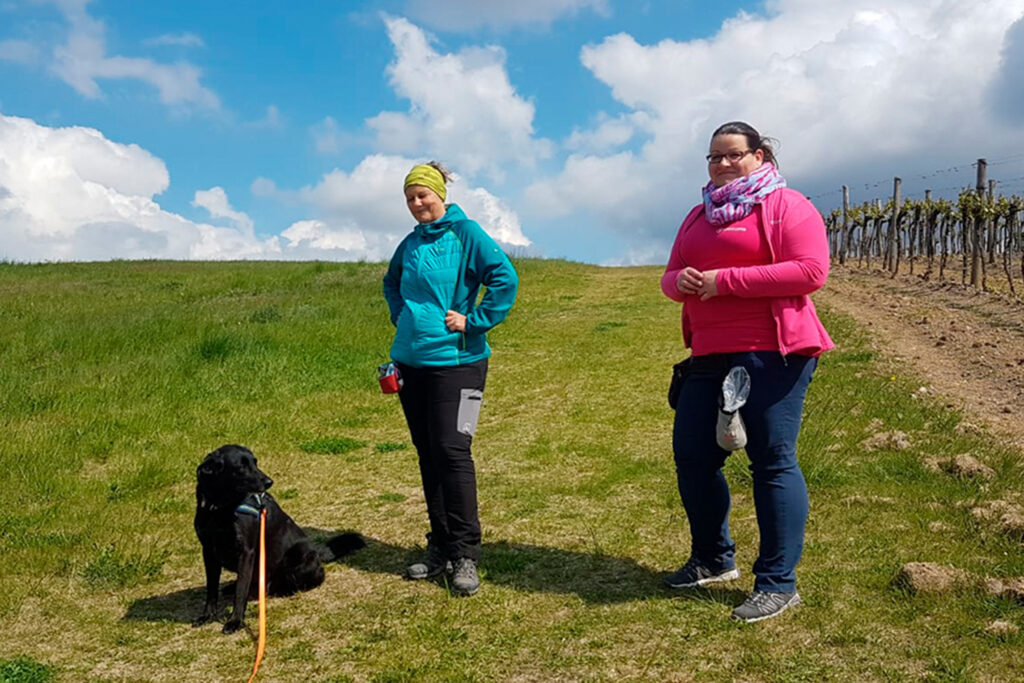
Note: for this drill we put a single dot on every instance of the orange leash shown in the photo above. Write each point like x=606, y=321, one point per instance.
x=262, y=643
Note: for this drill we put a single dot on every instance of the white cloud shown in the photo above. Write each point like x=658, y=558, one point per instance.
x=839, y=83
x=72, y=194
x=494, y=215
x=176, y=40
x=83, y=60
x=466, y=15
x=328, y=138
x=272, y=119
x=319, y=237
x=608, y=133
x=215, y=201
x=21, y=51
x=263, y=187
x=365, y=210
x=463, y=107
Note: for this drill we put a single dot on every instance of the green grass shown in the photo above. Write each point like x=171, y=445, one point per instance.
x=332, y=446
x=24, y=670
x=117, y=379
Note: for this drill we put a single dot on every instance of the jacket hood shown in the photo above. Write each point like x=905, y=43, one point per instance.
x=453, y=214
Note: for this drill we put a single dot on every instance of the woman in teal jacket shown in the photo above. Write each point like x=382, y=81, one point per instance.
x=440, y=348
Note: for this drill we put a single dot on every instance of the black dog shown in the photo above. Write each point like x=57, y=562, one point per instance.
x=230, y=492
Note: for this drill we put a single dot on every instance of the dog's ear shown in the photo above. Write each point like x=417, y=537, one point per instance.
x=213, y=464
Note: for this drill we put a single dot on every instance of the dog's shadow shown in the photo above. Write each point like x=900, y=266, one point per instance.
x=180, y=606
x=595, y=577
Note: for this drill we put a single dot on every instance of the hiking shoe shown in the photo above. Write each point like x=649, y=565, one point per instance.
x=694, y=574
x=465, y=581
x=762, y=605
x=432, y=564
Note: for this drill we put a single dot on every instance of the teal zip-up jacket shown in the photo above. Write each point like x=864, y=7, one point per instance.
x=438, y=267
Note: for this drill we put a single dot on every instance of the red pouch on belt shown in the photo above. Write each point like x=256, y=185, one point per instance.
x=389, y=377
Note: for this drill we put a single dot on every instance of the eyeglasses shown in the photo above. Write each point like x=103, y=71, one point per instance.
x=733, y=157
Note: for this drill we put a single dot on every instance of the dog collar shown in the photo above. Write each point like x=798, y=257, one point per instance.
x=251, y=505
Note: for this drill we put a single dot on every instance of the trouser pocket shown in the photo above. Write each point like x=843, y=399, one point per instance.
x=469, y=411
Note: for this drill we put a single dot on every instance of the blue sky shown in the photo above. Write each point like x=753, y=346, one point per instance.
x=577, y=127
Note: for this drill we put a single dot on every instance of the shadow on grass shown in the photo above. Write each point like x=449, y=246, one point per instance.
x=596, y=578
x=185, y=605
x=181, y=606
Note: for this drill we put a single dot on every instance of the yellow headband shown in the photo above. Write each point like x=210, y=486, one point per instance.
x=428, y=177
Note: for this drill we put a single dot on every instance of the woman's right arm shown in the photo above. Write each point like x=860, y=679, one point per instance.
x=676, y=264
x=393, y=284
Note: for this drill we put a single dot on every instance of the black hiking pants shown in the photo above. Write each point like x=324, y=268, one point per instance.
x=442, y=406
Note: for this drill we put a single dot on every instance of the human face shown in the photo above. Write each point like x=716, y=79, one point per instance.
x=725, y=171
x=424, y=204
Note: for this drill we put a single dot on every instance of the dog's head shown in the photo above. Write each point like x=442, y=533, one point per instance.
x=227, y=475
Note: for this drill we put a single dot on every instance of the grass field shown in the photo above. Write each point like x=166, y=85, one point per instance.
x=117, y=378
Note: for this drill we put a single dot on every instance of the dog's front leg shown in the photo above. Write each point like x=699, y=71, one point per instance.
x=246, y=567
x=211, y=563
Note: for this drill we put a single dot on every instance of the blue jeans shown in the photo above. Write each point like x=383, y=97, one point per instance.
x=772, y=417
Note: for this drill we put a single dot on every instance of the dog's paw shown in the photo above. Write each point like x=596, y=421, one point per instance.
x=204, y=618
x=232, y=626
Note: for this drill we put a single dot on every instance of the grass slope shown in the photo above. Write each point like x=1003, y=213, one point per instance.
x=117, y=378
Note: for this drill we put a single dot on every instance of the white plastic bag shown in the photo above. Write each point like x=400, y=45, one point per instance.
x=730, y=432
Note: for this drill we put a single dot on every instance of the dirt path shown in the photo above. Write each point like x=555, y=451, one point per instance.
x=967, y=346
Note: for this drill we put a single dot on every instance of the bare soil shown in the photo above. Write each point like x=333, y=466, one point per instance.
x=966, y=346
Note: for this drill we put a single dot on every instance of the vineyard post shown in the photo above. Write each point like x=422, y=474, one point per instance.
x=1005, y=210
x=877, y=232
x=1015, y=210
x=865, y=236
x=976, y=227
x=845, y=244
x=894, y=245
x=929, y=231
x=991, y=223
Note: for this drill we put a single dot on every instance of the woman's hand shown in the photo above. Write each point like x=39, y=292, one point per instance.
x=689, y=280
x=697, y=283
x=456, y=322
x=708, y=286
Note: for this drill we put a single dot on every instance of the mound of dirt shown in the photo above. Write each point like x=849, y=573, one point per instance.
x=928, y=577
x=965, y=466
x=891, y=441
x=1008, y=516
x=1002, y=628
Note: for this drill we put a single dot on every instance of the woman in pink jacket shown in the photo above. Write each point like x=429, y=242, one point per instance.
x=743, y=264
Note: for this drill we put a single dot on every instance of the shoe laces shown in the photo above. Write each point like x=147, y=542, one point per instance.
x=691, y=563
x=760, y=598
x=757, y=597
x=464, y=567
x=694, y=566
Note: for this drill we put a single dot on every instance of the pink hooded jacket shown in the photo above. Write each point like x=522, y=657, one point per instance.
x=800, y=262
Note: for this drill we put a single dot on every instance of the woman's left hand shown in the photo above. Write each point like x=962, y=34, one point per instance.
x=708, y=287
x=456, y=322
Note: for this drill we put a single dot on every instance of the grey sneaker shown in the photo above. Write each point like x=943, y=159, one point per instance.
x=762, y=605
x=465, y=581
x=432, y=564
x=694, y=574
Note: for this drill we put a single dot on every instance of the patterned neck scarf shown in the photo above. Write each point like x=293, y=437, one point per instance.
x=736, y=200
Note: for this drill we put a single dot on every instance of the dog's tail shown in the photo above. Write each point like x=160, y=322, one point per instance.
x=342, y=544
